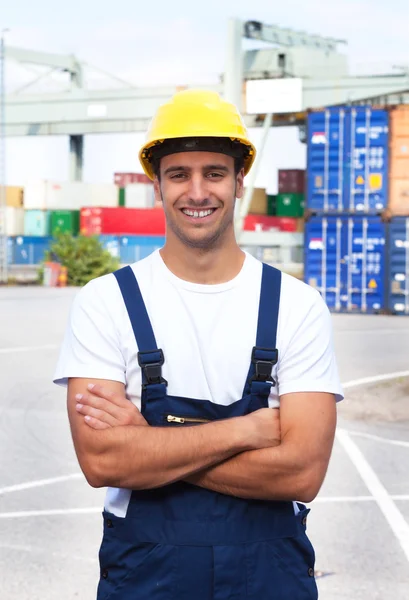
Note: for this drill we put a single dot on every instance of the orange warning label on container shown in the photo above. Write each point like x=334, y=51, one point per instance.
x=372, y=284
x=375, y=181
x=360, y=180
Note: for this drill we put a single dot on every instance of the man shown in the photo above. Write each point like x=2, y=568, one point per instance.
x=205, y=342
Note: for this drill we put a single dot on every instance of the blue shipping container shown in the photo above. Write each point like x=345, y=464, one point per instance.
x=10, y=250
x=398, y=276
x=110, y=243
x=30, y=250
x=347, y=166
x=345, y=259
x=137, y=247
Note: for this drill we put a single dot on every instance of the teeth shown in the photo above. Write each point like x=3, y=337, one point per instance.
x=197, y=214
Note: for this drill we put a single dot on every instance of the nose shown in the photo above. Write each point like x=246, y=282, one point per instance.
x=198, y=191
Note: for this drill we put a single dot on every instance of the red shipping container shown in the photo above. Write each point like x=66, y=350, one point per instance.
x=266, y=223
x=124, y=179
x=291, y=181
x=122, y=221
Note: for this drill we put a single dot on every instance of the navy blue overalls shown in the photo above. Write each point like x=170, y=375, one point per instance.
x=182, y=542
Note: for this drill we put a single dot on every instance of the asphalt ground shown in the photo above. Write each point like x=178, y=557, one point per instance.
x=50, y=522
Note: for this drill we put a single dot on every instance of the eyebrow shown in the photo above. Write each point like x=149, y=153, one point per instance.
x=205, y=168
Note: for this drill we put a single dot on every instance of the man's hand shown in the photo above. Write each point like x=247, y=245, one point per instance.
x=103, y=409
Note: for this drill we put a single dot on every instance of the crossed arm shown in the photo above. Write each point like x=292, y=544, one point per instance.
x=267, y=455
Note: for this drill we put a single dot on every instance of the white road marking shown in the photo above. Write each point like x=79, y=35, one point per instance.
x=39, y=483
x=341, y=499
x=325, y=499
x=12, y=350
x=374, y=379
x=378, y=438
x=389, y=509
x=51, y=513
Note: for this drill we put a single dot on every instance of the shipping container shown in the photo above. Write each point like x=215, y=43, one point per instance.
x=14, y=196
x=272, y=205
x=122, y=221
x=65, y=221
x=37, y=223
x=139, y=195
x=347, y=162
x=134, y=248
x=258, y=204
x=290, y=205
x=398, y=267
x=345, y=259
x=124, y=179
x=30, y=250
x=110, y=243
x=399, y=162
x=101, y=194
x=10, y=250
x=278, y=256
x=14, y=221
x=51, y=195
x=269, y=223
x=291, y=181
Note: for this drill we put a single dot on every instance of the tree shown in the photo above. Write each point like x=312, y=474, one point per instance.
x=84, y=257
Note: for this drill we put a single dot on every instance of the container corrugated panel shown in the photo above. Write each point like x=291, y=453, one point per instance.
x=348, y=152
x=14, y=221
x=398, y=279
x=110, y=243
x=65, y=221
x=122, y=221
x=134, y=248
x=399, y=162
x=345, y=259
x=30, y=250
x=10, y=250
x=37, y=223
x=291, y=181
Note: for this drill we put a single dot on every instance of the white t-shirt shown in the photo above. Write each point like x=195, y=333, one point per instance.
x=206, y=332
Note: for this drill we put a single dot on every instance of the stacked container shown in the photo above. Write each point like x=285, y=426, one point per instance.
x=357, y=181
x=290, y=197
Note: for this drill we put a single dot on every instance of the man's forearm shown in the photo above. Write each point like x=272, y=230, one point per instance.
x=268, y=474
x=148, y=457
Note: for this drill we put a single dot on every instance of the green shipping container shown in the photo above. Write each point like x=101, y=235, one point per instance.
x=290, y=205
x=121, y=197
x=65, y=221
x=272, y=205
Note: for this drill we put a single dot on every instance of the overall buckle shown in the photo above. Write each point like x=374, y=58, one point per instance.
x=152, y=371
x=263, y=367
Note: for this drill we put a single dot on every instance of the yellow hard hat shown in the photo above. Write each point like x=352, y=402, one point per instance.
x=196, y=114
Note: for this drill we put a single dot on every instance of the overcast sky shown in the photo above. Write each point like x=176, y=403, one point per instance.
x=163, y=42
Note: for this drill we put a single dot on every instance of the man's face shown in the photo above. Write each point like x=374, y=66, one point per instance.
x=199, y=190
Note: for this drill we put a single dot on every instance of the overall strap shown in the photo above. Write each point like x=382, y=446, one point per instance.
x=150, y=357
x=265, y=354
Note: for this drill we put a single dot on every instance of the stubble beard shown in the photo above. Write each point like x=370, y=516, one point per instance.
x=211, y=241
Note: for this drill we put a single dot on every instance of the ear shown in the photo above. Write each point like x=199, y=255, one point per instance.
x=156, y=190
x=240, y=184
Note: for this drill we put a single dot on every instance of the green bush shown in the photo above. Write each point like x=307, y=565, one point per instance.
x=84, y=257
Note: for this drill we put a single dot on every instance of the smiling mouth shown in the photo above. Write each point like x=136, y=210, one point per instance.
x=198, y=214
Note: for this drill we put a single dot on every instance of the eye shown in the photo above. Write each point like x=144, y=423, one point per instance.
x=178, y=176
x=214, y=175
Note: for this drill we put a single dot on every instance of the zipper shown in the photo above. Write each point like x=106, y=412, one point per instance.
x=182, y=420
